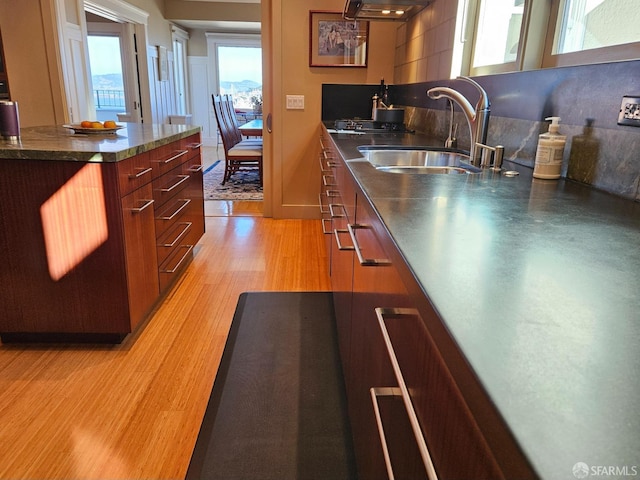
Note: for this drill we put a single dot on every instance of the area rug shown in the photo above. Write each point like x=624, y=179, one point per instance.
x=243, y=185
x=277, y=409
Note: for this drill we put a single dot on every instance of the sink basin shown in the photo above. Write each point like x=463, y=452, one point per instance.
x=413, y=160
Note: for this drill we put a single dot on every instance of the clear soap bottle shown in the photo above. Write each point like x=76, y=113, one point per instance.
x=550, y=151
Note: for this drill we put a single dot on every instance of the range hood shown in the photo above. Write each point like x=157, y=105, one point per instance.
x=395, y=10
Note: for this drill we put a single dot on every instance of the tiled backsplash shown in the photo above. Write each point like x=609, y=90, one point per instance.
x=587, y=98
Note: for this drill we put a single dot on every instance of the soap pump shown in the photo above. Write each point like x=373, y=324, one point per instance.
x=550, y=152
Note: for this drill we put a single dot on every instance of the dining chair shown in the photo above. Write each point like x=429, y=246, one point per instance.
x=239, y=154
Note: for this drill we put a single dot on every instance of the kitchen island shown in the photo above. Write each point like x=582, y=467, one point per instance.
x=95, y=228
x=534, y=289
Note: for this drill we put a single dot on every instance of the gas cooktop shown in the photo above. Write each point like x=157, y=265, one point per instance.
x=369, y=126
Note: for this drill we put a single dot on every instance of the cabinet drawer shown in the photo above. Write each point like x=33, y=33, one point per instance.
x=169, y=185
x=192, y=144
x=134, y=172
x=194, y=191
x=174, y=264
x=447, y=433
x=173, y=238
x=170, y=214
x=167, y=157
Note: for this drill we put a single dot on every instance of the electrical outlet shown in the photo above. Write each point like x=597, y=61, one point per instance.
x=629, y=111
x=295, y=102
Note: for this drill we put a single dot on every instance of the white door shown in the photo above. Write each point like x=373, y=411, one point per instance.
x=114, y=74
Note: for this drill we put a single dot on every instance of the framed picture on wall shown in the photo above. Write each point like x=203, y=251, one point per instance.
x=336, y=42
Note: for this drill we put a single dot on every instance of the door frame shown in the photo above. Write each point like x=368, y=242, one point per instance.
x=135, y=21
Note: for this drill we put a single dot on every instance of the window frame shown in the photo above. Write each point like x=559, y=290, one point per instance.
x=536, y=43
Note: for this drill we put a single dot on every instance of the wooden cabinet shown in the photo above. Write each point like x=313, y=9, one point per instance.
x=340, y=207
x=86, y=243
x=408, y=413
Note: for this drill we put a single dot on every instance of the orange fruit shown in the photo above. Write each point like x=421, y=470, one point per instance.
x=110, y=124
x=86, y=124
x=96, y=125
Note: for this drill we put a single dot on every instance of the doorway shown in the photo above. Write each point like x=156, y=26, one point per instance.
x=114, y=72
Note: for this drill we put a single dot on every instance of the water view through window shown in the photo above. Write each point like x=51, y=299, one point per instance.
x=106, y=73
x=240, y=75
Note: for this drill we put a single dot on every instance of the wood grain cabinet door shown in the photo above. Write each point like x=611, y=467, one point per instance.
x=140, y=251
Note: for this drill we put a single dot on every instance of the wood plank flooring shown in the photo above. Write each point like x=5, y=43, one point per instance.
x=134, y=410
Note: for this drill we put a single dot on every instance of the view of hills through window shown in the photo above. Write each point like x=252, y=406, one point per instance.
x=240, y=75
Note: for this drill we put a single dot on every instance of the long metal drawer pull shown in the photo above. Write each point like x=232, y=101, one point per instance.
x=183, y=178
x=147, y=204
x=336, y=233
x=333, y=206
x=323, y=209
x=365, y=262
x=324, y=228
x=195, y=168
x=187, y=226
x=172, y=158
x=383, y=392
x=329, y=183
x=186, y=254
x=140, y=173
x=323, y=168
x=413, y=418
x=186, y=201
x=194, y=145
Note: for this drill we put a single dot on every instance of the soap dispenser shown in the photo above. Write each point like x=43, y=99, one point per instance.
x=550, y=152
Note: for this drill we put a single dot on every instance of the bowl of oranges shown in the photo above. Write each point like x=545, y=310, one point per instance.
x=95, y=127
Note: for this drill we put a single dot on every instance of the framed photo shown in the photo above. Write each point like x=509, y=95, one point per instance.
x=336, y=42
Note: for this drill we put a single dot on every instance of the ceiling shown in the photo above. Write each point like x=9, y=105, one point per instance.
x=221, y=26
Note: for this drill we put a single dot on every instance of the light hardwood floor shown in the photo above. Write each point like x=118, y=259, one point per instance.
x=134, y=410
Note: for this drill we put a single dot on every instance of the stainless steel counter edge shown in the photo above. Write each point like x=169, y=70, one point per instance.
x=58, y=143
x=538, y=283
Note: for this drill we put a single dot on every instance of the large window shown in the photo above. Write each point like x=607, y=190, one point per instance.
x=240, y=75
x=508, y=35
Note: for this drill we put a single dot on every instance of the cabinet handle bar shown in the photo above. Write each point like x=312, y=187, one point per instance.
x=147, y=204
x=413, y=418
x=365, y=262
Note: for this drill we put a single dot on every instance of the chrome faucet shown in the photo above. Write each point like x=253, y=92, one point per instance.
x=478, y=118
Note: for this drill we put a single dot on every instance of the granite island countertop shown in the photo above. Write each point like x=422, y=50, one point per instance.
x=538, y=283
x=59, y=143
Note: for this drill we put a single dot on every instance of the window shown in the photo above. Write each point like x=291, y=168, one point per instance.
x=508, y=35
x=588, y=31
x=240, y=75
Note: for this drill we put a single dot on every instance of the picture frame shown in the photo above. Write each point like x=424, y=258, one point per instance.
x=336, y=42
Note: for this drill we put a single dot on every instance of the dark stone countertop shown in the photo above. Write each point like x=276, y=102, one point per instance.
x=538, y=282
x=59, y=143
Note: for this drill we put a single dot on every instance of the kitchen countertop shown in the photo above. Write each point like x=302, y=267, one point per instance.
x=538, y=282
x=60, y=143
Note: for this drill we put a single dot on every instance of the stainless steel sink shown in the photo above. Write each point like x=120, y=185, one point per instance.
x=413, y=160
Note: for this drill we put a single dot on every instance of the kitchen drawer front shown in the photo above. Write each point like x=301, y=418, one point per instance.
x=171, y=213
x=169, y=185
x=194, y=191
x=176, y=236
x=193, y=145
x=134, y=172
x=174, y=264
x=455, y=444
x=167, y=157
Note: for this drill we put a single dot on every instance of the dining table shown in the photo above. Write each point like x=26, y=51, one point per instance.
x=252, y=128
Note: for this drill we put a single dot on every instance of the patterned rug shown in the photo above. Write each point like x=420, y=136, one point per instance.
x=244, y=185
